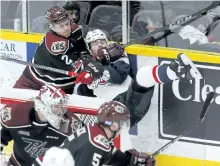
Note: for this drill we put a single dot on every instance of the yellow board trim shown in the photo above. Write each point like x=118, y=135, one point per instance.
x=135, y=49
x=162, y=160
x=16, y=36
x=166, y=160
x=172, y=53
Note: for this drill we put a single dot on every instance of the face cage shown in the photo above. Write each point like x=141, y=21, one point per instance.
x=59, y=109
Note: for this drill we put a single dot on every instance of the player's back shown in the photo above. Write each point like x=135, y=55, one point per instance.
x=89, y=146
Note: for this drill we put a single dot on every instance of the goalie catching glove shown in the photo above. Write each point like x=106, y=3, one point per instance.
x=92, y=70
x=111, y=53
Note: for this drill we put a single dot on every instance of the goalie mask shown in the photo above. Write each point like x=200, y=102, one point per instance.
x=114, y=113
x=52, y=104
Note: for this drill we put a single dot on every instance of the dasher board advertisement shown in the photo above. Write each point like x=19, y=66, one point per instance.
x=180, y=104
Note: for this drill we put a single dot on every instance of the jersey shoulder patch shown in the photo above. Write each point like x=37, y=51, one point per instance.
x=98, y=138
x=56, y=44
x=16, y=115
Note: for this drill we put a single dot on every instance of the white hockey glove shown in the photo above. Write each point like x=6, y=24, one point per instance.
x=193, y=35
x=3, y=160
x=56, y=156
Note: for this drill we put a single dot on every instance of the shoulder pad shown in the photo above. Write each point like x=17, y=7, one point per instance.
x=75, y=123
x=56, y=44
x=16, y=115
x=98, y=138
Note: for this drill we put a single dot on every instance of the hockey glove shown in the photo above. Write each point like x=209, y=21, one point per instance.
x=92, y=70
x=185, y=68
x=3, y=160
x=111, y=53
x=139, y=159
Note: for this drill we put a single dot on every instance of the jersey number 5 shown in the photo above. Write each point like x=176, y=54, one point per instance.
x=96, y=159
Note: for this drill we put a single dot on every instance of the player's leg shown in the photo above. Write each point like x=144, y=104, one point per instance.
x=138, y=97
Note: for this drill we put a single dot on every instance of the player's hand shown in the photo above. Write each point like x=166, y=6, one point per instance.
x=92, y=70
x=56, y=156
x=140, y=159
x=3, y=160
x=111, y=53
x=77, y=67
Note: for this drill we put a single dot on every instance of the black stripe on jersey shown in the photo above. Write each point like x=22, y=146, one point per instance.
x=47, y=79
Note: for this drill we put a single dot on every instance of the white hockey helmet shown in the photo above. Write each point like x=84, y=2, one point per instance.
x=94, y=35
x=52, y=104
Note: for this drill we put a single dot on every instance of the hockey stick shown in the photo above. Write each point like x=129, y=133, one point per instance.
x=168, y=29
x=69, y=73
x=188, y=130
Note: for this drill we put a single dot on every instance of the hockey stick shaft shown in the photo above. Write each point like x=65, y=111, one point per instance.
x=168, y=29
x=185, y=132
x=69, y=73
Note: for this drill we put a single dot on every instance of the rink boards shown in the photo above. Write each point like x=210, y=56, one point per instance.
x=174, y=107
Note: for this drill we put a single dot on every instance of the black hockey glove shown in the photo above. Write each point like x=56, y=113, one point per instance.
x=92, y=70
x=75, y=36
x=111, y=53
x=139, y=159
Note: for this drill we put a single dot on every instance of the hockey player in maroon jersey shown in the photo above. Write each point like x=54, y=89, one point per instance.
x=36, y=126
x=92, y=145
x=63, y=47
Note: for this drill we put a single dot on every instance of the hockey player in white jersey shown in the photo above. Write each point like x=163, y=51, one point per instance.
x=115, y=85
x=116, y=77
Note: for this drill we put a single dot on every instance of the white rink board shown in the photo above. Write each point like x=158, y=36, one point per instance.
x=147, y=139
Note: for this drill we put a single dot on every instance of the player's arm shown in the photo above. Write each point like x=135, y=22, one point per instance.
x=131, y=157
x=77, y=38
x=117, y=62
x=6, y=136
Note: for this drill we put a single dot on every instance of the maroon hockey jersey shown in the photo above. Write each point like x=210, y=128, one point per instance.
x=31, y=138
x=57, y=52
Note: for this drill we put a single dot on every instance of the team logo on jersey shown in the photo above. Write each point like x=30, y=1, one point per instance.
x=101, y=140
x=34, y=147
x=76, y=124
x=58, y=46
x=103, y=81
x=119, y=109
x=6, y=114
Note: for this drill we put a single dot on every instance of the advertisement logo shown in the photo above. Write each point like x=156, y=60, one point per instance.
x=181, y=103
x=13, y=49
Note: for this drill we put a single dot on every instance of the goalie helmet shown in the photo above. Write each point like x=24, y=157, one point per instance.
x=52, y=104
x=94, y=35
x=56, y=15
x=114, y=111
